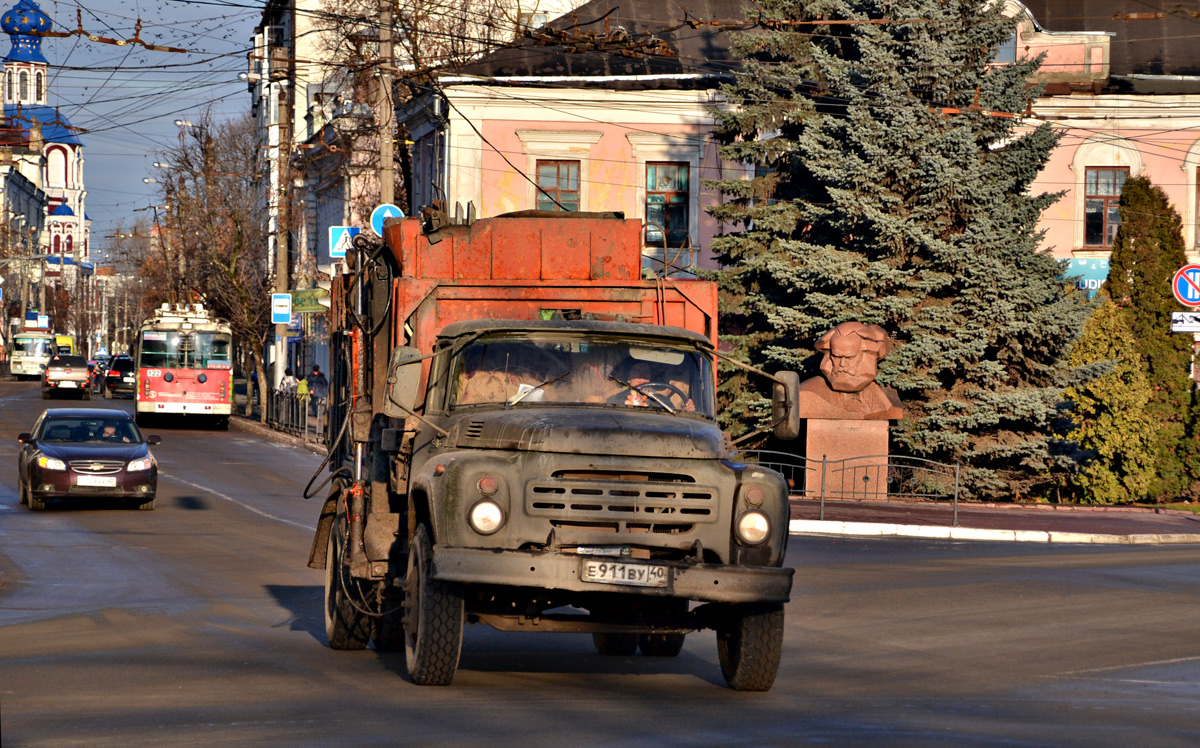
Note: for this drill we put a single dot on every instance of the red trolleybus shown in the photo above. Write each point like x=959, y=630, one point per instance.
x=184, y=366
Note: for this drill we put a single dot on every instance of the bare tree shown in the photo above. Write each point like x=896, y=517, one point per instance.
x=215, y=244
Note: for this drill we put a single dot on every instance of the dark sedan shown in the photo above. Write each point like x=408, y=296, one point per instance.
x=79, y=454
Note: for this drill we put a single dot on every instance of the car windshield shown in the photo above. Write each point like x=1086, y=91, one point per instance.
x=90, y=430
x=579, y=370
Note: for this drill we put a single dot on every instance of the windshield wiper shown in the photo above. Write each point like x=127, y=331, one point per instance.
x=518, y=398
x=636, y=388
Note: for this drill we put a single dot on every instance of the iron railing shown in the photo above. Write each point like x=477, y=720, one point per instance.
x=299, y=415
x=869, y=478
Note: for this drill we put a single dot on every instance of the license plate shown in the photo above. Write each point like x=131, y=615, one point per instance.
x=128, y=379
x=635, y=575
x=108, y=481
x=66, y=384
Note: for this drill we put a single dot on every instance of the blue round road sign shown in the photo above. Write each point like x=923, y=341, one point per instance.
x=387, y=210
x=1186, y=285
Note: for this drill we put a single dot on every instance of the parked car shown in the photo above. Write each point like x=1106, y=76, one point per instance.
x=67, y=373
x=120, y=378
x=82, y=454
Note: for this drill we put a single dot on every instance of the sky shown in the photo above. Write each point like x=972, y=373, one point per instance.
x=126, y=98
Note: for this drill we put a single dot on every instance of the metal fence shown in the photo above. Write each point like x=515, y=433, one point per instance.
x=870, y=478
x=299, y=415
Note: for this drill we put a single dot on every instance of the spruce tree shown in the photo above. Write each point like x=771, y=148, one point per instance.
x=900, y=197
x=1147, y=251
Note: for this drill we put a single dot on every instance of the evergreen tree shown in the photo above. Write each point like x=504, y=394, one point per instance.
x=1147, y=251
x=1109, y=417
x=901, y=198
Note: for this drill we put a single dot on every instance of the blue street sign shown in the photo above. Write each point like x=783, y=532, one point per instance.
x=1186, y=285
x=340, y=238
x=281, y=308
x=387, y=210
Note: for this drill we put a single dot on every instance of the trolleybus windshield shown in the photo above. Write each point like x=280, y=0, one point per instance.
x=163, y=349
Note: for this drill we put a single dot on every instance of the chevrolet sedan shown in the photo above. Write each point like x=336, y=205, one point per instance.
x=81, y=454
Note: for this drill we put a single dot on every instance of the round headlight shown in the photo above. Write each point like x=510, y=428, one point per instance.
x=753, y=528
x=486, y=517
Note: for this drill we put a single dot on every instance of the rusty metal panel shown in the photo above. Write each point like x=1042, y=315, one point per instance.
x=473, y=253
x=566, y=250
x=617, y=254
x=516, y=246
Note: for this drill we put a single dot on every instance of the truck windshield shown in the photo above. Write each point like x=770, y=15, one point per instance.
x=169, y=349
x=582, y=371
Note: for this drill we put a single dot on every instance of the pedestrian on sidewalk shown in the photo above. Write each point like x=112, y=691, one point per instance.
x=318, y=386
x=287, y=385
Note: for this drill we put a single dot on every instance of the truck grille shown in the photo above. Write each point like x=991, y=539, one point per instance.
x=618, y=504
x=97, y=467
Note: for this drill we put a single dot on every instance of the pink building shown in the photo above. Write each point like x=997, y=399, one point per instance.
x=541, y=128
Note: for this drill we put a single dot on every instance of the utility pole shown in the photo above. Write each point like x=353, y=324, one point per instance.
x=282, y=186
x=387, y=109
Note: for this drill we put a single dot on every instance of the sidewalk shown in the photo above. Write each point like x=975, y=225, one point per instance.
x=1025, y=523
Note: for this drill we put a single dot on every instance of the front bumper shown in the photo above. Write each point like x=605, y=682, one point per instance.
x=57, y=484
x=720, y=583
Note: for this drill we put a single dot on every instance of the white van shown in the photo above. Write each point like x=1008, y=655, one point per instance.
x=30, y=352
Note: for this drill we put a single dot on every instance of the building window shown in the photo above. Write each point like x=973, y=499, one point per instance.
x=58, y=245
x=23, y=85
x=558, y=185
x=8, y=86
x=530, y=21
x=1007, y=52
x=40, y=91
x=667, y=204
x=1102, y=199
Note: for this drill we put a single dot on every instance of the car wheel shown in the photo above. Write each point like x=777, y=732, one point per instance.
x=45, y=394
x=433, y=618
x=750, y=646
x=35, y=504
x=146, y=506
x=87, y=395
x=22, y=492
x=107, y=393
x=661, y=645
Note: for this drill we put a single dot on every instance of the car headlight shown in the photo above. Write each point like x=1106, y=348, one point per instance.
x=50, y=463
x=753, y=528
x=142, y=464
x=486, y=517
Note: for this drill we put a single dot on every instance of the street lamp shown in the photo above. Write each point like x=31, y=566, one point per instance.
x=183, y=123
x=161, y=165
x=150, y=180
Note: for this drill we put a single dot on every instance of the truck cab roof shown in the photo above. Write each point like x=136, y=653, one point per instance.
x=599, y=327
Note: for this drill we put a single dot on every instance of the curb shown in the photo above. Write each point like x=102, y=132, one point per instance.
x=243, y=423
x=869, y=529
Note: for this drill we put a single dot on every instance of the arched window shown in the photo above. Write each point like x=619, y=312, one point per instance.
x=56, y=167
x=23, y=85
x=8, y=86
x=69, y=242
x=39, y=89
x=57, y=245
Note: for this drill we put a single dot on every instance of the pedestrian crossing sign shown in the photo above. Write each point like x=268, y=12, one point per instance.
x=340, y=238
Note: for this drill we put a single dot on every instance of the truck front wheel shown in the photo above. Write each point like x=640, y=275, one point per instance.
x=433, y=618
x=750, y=646
x=346, y=627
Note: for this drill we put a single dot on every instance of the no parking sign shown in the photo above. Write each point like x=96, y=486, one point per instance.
x=1186, y=285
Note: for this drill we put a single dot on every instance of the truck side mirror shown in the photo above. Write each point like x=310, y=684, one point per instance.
x=403, y=379
x=785, y=409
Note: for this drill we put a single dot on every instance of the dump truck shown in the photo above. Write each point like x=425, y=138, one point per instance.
x=522, y=433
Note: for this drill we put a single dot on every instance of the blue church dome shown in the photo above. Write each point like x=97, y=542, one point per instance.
x=18, y=22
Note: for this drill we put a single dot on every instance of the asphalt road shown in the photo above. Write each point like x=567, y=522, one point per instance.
x=199, y=624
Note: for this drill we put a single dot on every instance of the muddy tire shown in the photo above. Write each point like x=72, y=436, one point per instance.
x=346, y=628
x=661, y=645
x=615, y=645
x=749, y=648
x=433, y=618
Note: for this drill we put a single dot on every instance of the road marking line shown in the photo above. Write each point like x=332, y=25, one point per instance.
x=232, y=500
x=1132, y=665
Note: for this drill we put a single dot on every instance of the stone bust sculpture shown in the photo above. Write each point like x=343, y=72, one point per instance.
x=847, y=388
